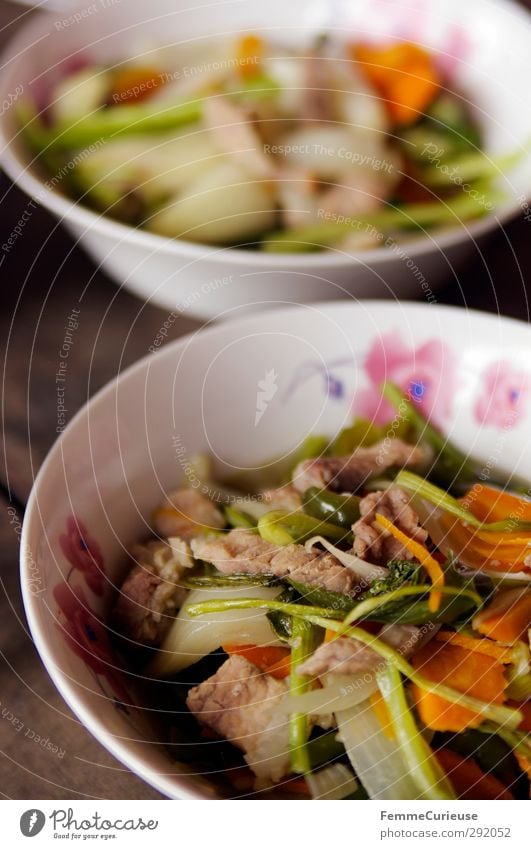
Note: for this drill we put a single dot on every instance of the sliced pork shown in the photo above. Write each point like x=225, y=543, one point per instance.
x=346, y=656
x=243, y=551
x=347, y=474
x=150, y=594
x=241, y=703
x=186, y=513
x=373, y=543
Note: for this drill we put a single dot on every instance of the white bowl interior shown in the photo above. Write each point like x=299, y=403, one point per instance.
x=132, y=443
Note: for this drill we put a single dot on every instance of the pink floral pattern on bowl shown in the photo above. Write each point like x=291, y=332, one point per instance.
x=83, y=553
x=87, y=637
x=427, y=375
x=504, y=396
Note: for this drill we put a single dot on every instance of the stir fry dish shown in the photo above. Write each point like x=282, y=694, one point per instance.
x=359, y=630
x=337, y=145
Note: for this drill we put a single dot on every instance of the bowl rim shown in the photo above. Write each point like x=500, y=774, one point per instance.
x=170, y=785
x=67, y=210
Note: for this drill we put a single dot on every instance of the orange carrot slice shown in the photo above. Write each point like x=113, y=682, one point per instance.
x=507, y=618
x=465, y=671
x=404, y=74
x=274, y=660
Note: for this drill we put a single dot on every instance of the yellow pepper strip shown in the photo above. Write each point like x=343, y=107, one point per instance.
x=422, y=554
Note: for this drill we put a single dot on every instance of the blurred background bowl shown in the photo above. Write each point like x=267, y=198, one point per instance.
x=134, y=440
x=485, y=46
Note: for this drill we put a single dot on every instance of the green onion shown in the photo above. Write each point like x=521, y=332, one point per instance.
x=424, y=769
x=217, y=605
x=407, y=217
x=115, y=121
x=238, y=518
x=282, y=528
x=520, y=688
x=218, y=581
x=303, y=643
x=361, y=433
x=424, y=489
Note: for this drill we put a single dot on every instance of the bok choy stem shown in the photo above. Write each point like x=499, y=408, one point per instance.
x=302, y=644
x=497, y=713
x=439, y=498
x=424, y=769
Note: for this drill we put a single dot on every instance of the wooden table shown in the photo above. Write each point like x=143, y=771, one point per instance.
x=42, y=278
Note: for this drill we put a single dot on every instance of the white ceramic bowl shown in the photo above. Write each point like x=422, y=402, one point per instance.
x=131, y=443
x=484, y=43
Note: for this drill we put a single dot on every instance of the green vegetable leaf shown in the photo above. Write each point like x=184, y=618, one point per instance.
x=400, y=573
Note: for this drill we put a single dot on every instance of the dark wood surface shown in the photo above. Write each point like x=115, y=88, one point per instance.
x=39, y=287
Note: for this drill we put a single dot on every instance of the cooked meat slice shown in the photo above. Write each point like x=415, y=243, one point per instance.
x=316, y=568
x=346, y=656
x=186, y=513
x=347, y=474
x=283, y=498
x=373, y=543
x=318, y=92
x=244, y=551
x=238, y=551
x=241, y=703
x=150, y=594
x=234, y=133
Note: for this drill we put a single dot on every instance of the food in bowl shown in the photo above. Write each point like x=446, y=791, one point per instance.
x=342, y=145
x=358, y=630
